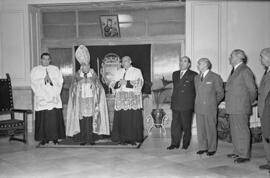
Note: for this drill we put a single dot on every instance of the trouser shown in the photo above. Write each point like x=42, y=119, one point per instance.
x=181, y=123
x=267, y=150
x=240, y=134
x=86, y=128
x=207, y=131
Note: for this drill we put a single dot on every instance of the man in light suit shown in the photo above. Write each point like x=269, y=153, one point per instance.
x=182, y=104
x=264, y=105
x=209, y=93
x=240, y=93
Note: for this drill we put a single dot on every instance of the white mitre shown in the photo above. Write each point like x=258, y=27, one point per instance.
x=82, y=55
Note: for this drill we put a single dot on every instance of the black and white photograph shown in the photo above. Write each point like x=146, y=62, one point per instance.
x=134, y=89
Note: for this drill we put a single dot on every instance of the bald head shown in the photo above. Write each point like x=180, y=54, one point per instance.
x=265, y=57
x=126, y=62
x=237, y=56
x=266, y=52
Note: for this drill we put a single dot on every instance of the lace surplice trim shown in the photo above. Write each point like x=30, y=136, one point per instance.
x=127, y=100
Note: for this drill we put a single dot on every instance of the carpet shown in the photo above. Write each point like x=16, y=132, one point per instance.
x=103, y=143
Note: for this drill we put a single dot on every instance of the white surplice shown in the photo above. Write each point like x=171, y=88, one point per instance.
x=47, y=96
x=128, y=98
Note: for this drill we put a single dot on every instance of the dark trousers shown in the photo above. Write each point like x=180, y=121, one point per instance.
x=86, y=127
x=181, y=123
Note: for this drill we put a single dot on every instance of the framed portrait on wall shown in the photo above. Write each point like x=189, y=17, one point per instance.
x=110, y=26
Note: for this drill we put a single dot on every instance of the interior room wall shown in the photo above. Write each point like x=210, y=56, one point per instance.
x=215, y=28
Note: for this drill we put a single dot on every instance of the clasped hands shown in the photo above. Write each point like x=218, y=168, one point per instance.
x=47, y=79
x=122, y=82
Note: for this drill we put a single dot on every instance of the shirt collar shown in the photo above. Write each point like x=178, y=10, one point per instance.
x=237, y=65
x=184, y=71
x=205, y=73
x=89, y=74
x=127, y=68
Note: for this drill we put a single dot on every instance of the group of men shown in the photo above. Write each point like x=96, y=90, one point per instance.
x=202, y=93
x=87, y=112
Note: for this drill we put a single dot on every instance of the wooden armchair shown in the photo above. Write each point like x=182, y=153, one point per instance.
x=11, y=126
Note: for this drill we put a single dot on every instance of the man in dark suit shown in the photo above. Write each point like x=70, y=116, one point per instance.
x=240, y=93
x=182, y=104
x=209, y=93
x=264, y=105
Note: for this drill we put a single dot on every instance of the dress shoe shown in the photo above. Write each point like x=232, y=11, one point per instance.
x=184, y=147
x=201, y=152
x=43, y=142
x=264, y=167
x=55, y=142
x=241, y=160
x=123, y=143
x=232, y=155
x=133, y=143
x=211, y=153
x=171, y=147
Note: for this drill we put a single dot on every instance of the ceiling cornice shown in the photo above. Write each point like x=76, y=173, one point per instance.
x=137, y=4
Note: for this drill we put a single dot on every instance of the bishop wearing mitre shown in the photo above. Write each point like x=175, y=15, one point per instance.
x=87, y=112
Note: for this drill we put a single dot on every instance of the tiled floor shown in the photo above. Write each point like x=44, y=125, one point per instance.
x=151, y=160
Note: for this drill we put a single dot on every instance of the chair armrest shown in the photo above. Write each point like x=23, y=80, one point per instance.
x=27, y=111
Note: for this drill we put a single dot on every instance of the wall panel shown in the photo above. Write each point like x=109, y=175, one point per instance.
x=205, y=33
x=13, y=50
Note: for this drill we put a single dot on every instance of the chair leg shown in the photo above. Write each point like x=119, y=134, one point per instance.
x=25, y=135
x=11, y=137
x=17, y=139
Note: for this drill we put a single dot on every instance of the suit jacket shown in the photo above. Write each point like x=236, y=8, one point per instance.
x=183, y=95
x=209, y=93
x=265, y=119
x=263, y=90
x=240, y=91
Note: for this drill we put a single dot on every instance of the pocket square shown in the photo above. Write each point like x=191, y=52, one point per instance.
x=208, y=82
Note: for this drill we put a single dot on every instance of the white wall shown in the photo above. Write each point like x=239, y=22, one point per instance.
x=215, y=28
x=15, y=41
x=249, y=29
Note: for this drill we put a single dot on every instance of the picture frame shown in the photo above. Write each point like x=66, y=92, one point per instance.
x=109, y=26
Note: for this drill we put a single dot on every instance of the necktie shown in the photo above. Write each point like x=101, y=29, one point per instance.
x=232, y=70
x=265, y=72
x=181, y=74
x=124, y=76
x=201, y=77
x=85, y=75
